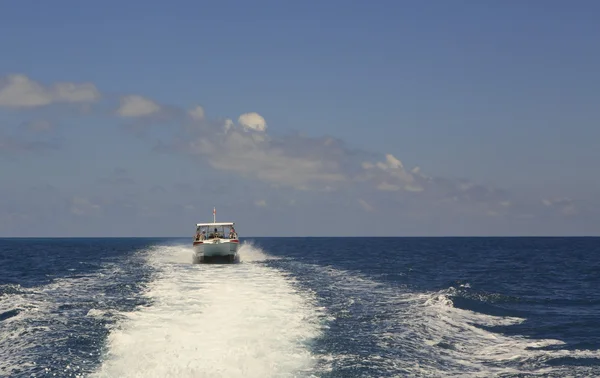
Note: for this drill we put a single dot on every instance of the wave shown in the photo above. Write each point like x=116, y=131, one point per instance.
x=54, y=329
x=396, y=330
x=39, y=325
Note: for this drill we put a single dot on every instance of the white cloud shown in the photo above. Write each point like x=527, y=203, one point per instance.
x=245, y=148
x=197, y=113
x=322, y=164
x=257, y=156
x=228, y=125
x=19, y=91
x=252, y=121
x=137, y=106
x=391, y=175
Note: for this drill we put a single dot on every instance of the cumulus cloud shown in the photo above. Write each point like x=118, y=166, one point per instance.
x=326, y=164
x=137, y=106
x=228, y=124
x=298, y=162
x=253, y=121
x=19, y=91
x=197, y=113
x=390, y=175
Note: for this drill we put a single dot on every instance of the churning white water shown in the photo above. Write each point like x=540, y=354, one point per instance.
x=232, y=320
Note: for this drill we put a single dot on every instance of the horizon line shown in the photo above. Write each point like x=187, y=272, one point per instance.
x=308, y=236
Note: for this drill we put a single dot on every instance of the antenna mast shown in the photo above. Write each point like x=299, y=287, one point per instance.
x=214, y=215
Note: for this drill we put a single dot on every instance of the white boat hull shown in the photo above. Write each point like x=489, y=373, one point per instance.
x=213, y=249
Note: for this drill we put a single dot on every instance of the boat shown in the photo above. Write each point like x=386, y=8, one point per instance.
x=216, y=241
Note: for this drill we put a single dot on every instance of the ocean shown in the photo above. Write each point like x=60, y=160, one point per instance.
x=301, y=307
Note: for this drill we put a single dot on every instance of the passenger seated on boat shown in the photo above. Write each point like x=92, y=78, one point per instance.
x=232, y=234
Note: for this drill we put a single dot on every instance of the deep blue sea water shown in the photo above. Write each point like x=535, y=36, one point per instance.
x=320, y=307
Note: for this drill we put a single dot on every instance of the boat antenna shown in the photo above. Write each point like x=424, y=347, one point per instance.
x=214, y=215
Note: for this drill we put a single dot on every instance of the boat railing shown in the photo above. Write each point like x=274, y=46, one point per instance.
x=212, y=235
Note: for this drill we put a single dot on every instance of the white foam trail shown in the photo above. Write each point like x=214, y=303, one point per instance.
x=14, y=340
x=233, y=320
x=40, y=318
x=438, y=338
x=250, y=253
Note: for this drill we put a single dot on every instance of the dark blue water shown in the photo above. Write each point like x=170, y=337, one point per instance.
x=388, y=307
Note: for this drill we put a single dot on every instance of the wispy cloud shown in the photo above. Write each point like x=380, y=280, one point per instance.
x=197, y=113
x=247, y=148
x=254, y=154
x=19, y=91
x=137, y=106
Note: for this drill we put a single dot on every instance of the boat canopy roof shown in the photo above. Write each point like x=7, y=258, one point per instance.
x=215, y=224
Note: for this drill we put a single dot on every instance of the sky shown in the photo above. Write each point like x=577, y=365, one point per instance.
x=388, y=118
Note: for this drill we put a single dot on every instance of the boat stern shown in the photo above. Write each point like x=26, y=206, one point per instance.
x=215, y=240
x=222, y=249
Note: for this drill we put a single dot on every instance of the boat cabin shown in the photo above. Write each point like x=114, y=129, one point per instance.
x=207, y=231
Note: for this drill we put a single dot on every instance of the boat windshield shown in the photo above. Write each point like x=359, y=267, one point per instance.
x=212, y=232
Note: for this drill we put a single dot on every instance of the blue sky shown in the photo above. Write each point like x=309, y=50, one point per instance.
x=300, y=118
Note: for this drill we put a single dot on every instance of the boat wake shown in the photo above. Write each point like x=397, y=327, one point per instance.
x=425, y=334
x=230, y=320
x=69, y=315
